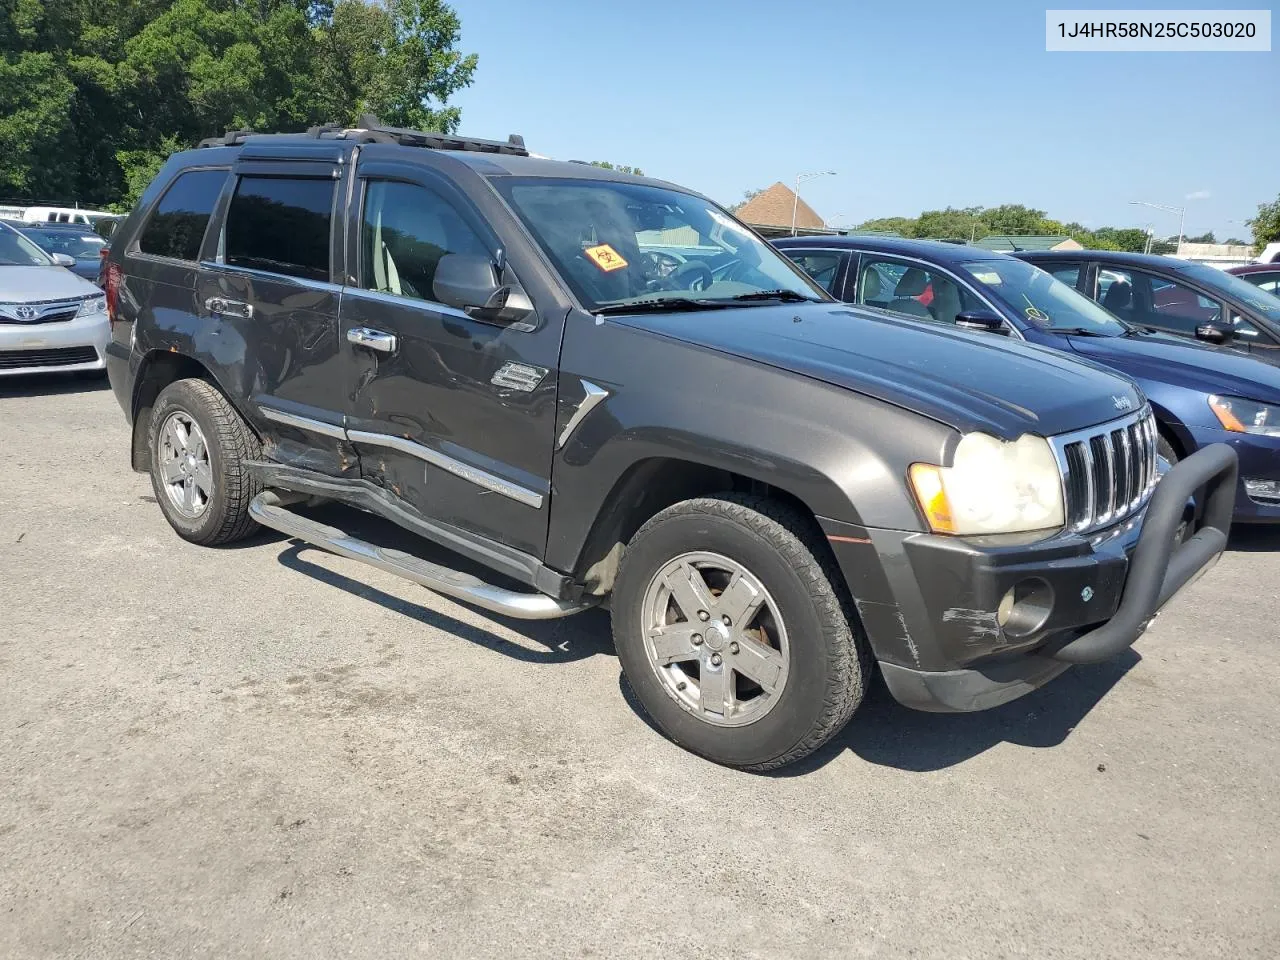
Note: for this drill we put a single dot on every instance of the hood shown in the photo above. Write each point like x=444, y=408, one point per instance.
x=965, y=380
x=1184, y=363
x=29, y=284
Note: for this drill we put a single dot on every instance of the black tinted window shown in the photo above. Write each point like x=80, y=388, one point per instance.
x=406, y=230
x=178, y=222
x=281, y=225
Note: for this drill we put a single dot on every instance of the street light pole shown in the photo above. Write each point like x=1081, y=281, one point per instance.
x=1180, y=211
x=795, y=196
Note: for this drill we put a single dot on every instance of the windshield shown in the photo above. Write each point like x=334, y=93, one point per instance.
x=1041, y=299
x=75, y=244
x=1233, y=286
x=618, y=243
x=17, y=251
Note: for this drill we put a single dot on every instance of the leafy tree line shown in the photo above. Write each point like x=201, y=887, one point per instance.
x=94, y=94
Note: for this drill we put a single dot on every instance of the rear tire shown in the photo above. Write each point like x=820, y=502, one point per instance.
x=764, y=692
x=199, y=449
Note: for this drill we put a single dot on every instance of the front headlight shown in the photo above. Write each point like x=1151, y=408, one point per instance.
x=90, y=305
x=1246, y=416
x=992, y=487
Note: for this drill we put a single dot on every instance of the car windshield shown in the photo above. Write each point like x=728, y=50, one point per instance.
x=1041, y=299
x=17, y=251
x=619, y=244
x=1233, y=286
x=80, y=245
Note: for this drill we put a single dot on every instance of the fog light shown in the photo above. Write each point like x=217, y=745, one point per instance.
x=1025, y=607
x=1259, y=489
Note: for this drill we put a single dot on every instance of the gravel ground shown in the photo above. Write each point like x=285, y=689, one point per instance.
x=270, y=751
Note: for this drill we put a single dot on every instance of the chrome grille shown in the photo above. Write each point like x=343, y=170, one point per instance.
x=1108, y=471
x=41, y=311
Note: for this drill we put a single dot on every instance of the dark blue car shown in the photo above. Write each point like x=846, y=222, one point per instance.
x=1201, y=394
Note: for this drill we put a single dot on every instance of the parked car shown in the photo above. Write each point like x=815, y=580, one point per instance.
x=50, y=319
x=1264, y=276
x=772, y=492
x=80, y=243
x=1175, y=297
x=1200, y=394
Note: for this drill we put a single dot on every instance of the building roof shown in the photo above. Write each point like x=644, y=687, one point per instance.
x=772, y=207
x=1027, y=243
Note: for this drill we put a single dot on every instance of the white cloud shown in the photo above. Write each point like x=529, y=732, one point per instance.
x=1199, y=195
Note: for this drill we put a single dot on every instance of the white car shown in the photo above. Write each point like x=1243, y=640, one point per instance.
x=50, y=320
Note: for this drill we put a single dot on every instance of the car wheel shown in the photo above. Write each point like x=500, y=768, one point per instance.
x=200, y=450
x=735, y=631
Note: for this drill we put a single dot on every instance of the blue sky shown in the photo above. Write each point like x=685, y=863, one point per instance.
x=915, y=105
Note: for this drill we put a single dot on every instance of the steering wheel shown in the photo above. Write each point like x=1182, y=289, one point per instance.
x=692, y=275
x=662, y=264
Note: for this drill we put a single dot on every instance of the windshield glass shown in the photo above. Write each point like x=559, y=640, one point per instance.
x=1041, y=299
x=619, y=243
x=1233, y=286
x=75, y=244
x=17, y=251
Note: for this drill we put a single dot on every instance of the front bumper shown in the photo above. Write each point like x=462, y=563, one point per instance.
x=1259, y=459
x=68, y=346
x=929, y=604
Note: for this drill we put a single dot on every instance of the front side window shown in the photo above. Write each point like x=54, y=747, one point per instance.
x=913, y=290
x=405, y=230
x=176, y=227
x=618, y=244
x=1270, y=282
x=1041, y=299
x=1068, y=273
x=822, y=265
x=17, y=251
x=281, y=225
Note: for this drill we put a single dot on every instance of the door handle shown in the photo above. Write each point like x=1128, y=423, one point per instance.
x=372, y=339
x=229, y=308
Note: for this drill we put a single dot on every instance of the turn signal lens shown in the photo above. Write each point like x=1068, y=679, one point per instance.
x=926, y=479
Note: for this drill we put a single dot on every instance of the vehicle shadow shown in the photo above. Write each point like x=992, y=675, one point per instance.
x=886, y=733
x=50, y=384
x=565, y=640
x=1254, y=538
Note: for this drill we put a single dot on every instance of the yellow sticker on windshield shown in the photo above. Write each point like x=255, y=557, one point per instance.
x=605, y=257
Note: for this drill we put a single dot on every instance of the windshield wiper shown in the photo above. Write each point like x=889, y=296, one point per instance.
x=661, y=305
x=1078, y=331
x=786, y=296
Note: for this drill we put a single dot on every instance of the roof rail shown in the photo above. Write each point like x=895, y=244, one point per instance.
x=232, y=138
x=372, y=130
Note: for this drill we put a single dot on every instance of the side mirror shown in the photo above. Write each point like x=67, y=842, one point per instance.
x=985, y=321
x=1215, y=333
x=470, y=283
x=62, y=260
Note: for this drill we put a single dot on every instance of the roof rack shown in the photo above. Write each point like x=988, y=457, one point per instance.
x=232, y=138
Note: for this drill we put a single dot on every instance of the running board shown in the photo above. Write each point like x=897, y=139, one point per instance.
x=267, y=509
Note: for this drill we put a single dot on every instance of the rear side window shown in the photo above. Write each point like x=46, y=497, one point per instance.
x=176, y=227
x=281, y=225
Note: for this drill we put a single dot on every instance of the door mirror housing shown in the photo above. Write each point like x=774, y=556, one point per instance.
x=62, y=260
x=470, y=283
x=985, y=321
x=1215, y=333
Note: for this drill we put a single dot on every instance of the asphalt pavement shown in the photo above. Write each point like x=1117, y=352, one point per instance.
x=268, y=751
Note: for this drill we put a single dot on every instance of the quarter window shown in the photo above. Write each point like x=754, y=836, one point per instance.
x=281, y=225
x=1068, y=273
x=177, y=225
x=405, y=230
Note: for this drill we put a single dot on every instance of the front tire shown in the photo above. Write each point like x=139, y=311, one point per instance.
x=200, y=449
x=735, y=631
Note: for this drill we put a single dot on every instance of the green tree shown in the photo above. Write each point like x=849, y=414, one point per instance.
x=1203, y=238
x=747, y=197
x=635, y=171
x=1265, y=224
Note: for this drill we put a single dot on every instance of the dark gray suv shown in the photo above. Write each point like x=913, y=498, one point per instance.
x=604, y=388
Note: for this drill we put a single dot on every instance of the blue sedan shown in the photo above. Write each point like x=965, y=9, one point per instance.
x=1200, y=394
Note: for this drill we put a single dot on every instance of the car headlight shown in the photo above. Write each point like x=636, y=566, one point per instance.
x=1246, y=416
x=89, y=305
x=992, y=487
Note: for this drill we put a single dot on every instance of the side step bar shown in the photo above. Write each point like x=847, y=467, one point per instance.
x=268, y=509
